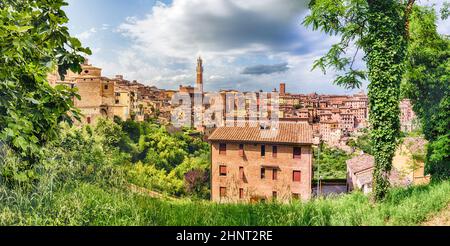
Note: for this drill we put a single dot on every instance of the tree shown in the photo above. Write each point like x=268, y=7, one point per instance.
x=33, y=42
x=426, y=83
x=381, y=30
x=332, y=163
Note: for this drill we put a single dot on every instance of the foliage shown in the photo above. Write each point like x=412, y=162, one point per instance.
x=88, y=204
x=33, y=41
x=197, y=182
x=332, y=163
x=380, y=29
x=426, y=83
x=362, y=142
x=159, y=159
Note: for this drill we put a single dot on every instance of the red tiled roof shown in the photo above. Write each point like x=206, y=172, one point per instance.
x=361, y=163
x=287, y=132
x=366, y=162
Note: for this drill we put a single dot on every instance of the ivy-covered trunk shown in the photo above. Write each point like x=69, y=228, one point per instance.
x=386, y=48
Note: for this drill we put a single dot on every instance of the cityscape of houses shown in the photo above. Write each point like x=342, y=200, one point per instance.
x=246, y=165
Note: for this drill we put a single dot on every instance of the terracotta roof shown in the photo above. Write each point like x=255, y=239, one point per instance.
x=361, y=163
x=287, y=132
x=366, y=162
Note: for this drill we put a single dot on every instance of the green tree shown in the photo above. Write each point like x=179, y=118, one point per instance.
x=362, y=142
x=426, y=83
x=33, y=42
x=381, y=30
x=332, y=163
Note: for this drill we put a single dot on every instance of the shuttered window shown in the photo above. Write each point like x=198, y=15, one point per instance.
x=274, y=174
x=223, y=170
x=222, y=149
x=241, y=150
x=223, y=191
x=274, y=151
x=296, y=176
x=241, y=173
x=297, y=153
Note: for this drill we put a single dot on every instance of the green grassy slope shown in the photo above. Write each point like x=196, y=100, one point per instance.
x=88, y=204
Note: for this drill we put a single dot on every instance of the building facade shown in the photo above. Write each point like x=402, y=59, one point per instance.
x=251, y=164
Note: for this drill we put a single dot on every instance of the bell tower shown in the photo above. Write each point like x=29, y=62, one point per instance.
x=199, y=82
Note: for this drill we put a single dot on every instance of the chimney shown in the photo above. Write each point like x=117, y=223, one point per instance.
x=282, y=89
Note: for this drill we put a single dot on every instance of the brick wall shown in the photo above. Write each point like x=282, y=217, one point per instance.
x=254, y=187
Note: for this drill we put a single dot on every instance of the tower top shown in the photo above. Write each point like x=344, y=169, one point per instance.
x=199, y=81
x=199, y=61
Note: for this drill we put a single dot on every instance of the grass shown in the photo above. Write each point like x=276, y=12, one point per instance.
x=89, y=204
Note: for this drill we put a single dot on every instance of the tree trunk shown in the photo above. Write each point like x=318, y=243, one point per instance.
x=385, y=55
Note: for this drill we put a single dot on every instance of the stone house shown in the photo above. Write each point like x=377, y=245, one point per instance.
x=407, y=167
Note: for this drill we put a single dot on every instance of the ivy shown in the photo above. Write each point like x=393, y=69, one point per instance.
x=380, y=29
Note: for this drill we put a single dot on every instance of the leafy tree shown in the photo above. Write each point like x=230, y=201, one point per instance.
x=381, y=30
x=332, y=163
x=33, y=41
x=362, y=142
x=426, y=83
x=197, y=183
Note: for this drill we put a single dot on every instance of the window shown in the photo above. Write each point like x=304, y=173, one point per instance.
x=274, y=151
x=223, y=170
x=88, y=120
x=274, y=195
x=295, y=196
x=222, y=149
x=241, y=150
x=241, y=173
x=297, y=152
x=223, y=191
x=296, y=176
x=263, y=150
x=263, y=173
x=117, y=101
x=274, y=174
x=241, y=193
x=106, y=87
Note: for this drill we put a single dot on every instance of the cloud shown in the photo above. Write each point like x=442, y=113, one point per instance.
x=186, y=28
x=86, y=34
x=266, y=69
x=231, y=36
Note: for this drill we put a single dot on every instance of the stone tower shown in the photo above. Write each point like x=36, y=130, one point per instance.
x=199, y=82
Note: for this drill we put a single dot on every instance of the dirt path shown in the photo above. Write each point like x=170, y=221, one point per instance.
x=440, y=219
x=147, y=192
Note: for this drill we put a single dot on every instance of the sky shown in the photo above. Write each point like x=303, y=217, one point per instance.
x=246, y=45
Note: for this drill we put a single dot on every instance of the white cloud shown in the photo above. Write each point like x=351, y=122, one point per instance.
x=230, y=35
x=86, y=34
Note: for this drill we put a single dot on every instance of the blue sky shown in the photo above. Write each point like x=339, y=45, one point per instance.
x=246, y=44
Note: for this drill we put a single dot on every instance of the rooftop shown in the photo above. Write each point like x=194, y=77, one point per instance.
x=286, y=132
x=360, y=163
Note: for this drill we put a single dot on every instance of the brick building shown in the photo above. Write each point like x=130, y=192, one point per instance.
x=97, y=93
x=255, y=163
